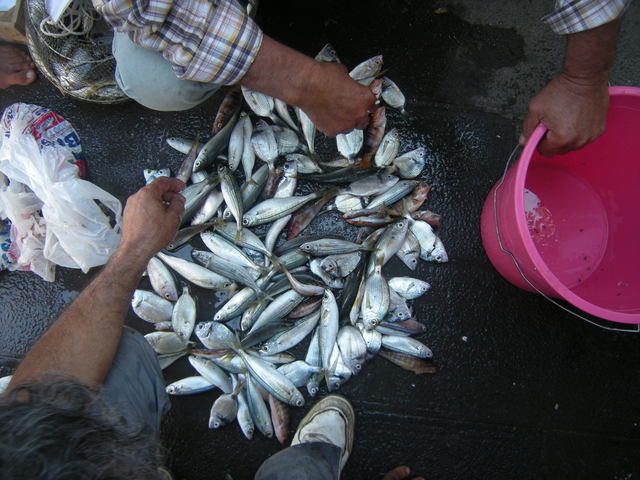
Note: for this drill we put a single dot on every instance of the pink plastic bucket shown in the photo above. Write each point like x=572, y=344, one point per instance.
x=571, y=223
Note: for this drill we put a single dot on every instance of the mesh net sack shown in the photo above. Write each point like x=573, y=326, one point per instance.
x=74, y=53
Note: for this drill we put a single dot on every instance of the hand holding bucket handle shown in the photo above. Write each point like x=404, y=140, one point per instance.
x=527, y=152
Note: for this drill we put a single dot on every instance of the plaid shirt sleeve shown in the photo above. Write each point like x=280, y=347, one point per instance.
x=211, y=41
x=572, y=16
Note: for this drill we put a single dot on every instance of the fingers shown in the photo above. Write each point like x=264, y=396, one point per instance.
x=176, y=203
x=528, y=126
x=162, y=185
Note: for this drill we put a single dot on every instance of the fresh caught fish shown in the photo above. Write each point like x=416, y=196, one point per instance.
x=372, y=185
x=411, y=164
x=428, y=216
x=308, y=129
x=290, y=338
x=275, y=208
x=407, y=345
x=162, y=280
x=150, y=175
x=398, y=191
x=211, y=372
x=236, y=144
x=392, y=95
x=346, y=202
x=350, y=144
x=186, y=168
x=248, y=153
x=264, y=143
x=244, y=416
x=366, y=72
x=352, y=348
x=409, y=251
x=330, y=246
x=327, y=54
x=190, y=386
x=231, y=193
x=305, y=163
x=183, y=318
x=388, y=149
x=258, y=409
x=409, y=362
x=261, y=104
x=151, y=307
x=224, y=409
x=299, y=372
x=166, y=342
x=303, y=217
x=279, y=418
x=282, y=110
x=196, y=274
x=185, y=234
x=375, y=301
x=216, y=144
x=231, y=103
x=327, y=328
x=409, y=288
x=208, y=209
x=373, y=136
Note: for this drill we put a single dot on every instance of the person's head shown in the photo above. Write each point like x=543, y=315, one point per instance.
x=63, y=430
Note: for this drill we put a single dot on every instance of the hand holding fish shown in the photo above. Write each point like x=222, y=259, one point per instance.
x=335, y=102
x=151, y=218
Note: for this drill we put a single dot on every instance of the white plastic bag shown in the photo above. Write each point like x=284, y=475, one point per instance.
x=72, y=230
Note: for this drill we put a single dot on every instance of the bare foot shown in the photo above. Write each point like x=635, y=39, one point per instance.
x=16, y=67
x=400, y=473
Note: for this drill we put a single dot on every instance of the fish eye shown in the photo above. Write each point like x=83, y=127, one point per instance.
x=299, y=403
x=245, y=222
x=438, y=258
x=227, y=285
x=358, y=366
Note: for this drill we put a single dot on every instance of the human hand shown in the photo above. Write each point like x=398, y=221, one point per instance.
x=335, y=102
x=151, y=218
x=400, y=473
x=573, y=110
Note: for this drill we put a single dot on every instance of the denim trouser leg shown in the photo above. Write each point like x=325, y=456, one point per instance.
x=134, y=385
x=305, y=461
x=146, y=77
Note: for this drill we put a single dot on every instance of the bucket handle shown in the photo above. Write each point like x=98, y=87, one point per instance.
x=540, y=130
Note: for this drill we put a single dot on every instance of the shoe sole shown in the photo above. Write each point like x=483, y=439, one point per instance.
x=341, y=404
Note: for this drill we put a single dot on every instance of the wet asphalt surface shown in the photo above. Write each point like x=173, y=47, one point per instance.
x=523, y=390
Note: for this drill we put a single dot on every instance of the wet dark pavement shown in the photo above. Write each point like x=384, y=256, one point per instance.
x=523, y=390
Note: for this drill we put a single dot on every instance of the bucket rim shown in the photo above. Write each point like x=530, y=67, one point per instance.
x=540, y=265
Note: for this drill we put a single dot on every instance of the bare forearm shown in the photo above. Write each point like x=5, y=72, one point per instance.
x=81, y=344
x=280, y=71
x=589, y=54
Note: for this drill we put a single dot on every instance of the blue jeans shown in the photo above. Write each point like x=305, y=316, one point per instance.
x=305, y=461
x=146, y=77
x=134, y=385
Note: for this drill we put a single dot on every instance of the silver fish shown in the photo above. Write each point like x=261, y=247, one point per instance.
x=341, y=265
x=209, y=208
x=196, y=274
x=212, y=335
x=183, y=318
x=438, y=253
x=252, y=188
x=291, y=337
x=408, y=287
x=327, y=54
x=224, y=409
x=392, y=95
x=349, y=144
x=258, y=409
x=219, y=245
x=150, y=175
x=372, y=184
x=216, y=144
x=346, y=202
x=166, y=342
x=411, y=164
x=151, y=307
x=162, y=280
x=248, y=153
x=308, y=129
x=182, y=145
x=375, y=301
x=189, y=386
x=287, y=140
x=244, y=416
x=407, y=345
x=279, y=308
x=283, y=112
x=372, y=338
x=352, y=348
x=261, y=104
x=388, y=149
x=236, y=144
x=398, y=191
x=211, y=372
x=305, y=163
x=330, y=246
x=298, y=372
x=366, y=72
x=327, y=327
x=231, y=193
x=274, y=208
x=264, y=143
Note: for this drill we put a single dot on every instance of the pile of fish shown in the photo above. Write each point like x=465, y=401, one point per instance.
x=324, y=288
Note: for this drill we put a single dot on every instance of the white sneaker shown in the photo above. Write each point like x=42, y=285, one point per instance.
x=331, y=420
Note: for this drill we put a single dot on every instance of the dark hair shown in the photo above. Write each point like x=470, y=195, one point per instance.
x=62, y=430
